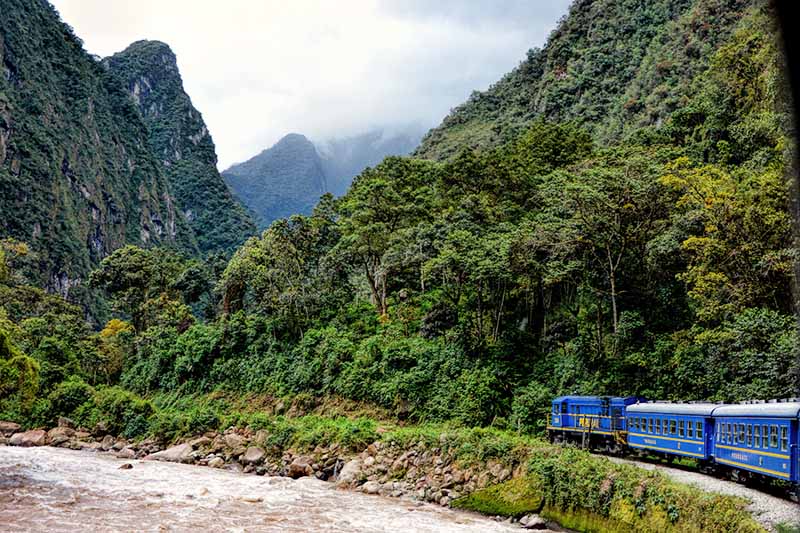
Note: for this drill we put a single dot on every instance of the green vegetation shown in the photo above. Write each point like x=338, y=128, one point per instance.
x=77, y=180
x=474, y=290
x=588, y=493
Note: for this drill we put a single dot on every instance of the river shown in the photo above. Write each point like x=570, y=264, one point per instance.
x=54, y=489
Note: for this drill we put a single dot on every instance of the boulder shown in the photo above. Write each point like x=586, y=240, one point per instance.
x=34, y=437
x=91, y=446
x=126, y=453
x=349, y=473
x=107, y=443
x=125, y=466
x=182, y=453
x=301, y=466
x=216, y=462
x=200, y=442
x=9, y=428
x=254, y=455
x=371, y=487
x=59, y=435
x=235, y=443
x=533, y=521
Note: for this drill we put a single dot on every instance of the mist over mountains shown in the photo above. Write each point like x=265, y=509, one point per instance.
x=289, y=177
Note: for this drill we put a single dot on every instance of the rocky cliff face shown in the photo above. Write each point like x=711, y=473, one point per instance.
x=180, y=140
x=281, y=181
x=77, y=176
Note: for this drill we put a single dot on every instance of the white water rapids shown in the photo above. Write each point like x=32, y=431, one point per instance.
x=53, y=489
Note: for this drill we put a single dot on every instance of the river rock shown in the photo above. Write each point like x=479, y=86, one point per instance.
x=91, y=446
x=34, y=437
x=126, y=453
x=182, y=453
x=107, y=443
x=235, y=443
x=254, y=455
x=533, y=521
x=8, y=428
x=301, y=466
x=125, y=466
x=371, y=487
x=201, y=442
x=59, y=435
x=216, y=462
x=349, y=473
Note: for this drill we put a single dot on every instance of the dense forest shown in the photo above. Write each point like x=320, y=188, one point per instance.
x=475, y=285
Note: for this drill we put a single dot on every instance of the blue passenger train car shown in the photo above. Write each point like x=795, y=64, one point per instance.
x=663, y=428
x=759, y=438
x=594, y=421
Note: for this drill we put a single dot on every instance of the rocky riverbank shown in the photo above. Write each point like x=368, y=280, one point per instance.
x=418, y=470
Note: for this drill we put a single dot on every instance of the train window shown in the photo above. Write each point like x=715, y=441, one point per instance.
x=698, y=429
x=765, y=436
x=749, y=435
x=681, y=432
x=658, y=425
x=729, y=440
x=650, y=425
x=773, y=436
x=740, y=436
x=672, y=427
x=784, y=439
x=757, y=436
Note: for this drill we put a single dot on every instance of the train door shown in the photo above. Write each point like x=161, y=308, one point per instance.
x=605, y=421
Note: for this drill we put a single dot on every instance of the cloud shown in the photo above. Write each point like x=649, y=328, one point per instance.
x=259, y=70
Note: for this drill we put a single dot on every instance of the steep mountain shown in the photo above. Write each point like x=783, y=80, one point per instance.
x=77, y=176
x=611, y=65
x=290, y=177
x=180, y=140
x=345, y=158
x=280, y=181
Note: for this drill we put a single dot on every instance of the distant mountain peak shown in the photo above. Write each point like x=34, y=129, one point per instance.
x=289, y=177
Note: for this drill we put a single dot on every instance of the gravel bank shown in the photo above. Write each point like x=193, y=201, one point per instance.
x=768, y=510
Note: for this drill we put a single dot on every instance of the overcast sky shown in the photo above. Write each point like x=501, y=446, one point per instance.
x=258, y=69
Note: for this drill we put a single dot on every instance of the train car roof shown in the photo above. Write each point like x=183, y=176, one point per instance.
x=766, y=410
x=668, y=408
x=591, y=398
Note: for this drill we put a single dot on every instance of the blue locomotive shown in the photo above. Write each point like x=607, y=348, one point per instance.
x=747, y=441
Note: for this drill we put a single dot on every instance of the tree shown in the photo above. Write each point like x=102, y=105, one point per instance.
x=608, y=209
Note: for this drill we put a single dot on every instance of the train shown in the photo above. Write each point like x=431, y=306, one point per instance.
x=750, y=441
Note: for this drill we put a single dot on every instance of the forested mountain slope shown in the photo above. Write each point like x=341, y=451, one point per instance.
x=281, y=181
x=180, y=140
x=77, y=178
x=611, y=65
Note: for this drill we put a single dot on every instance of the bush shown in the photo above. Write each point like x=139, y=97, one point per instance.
x=122, y=412
x=68, y=396
x=530, y=407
